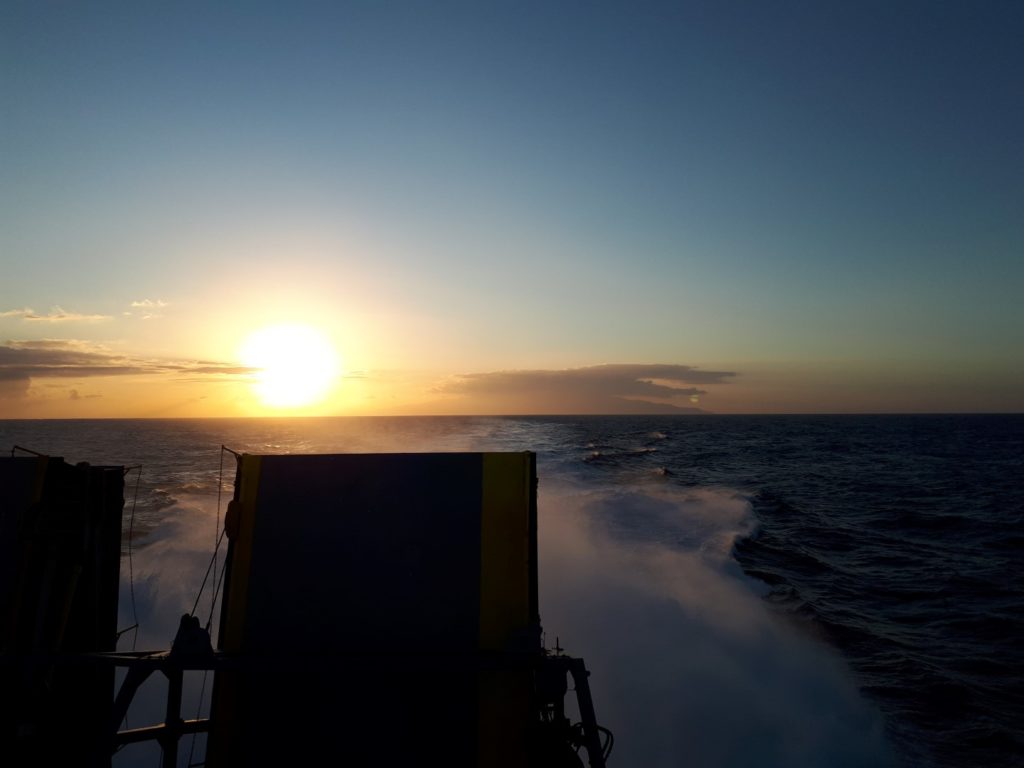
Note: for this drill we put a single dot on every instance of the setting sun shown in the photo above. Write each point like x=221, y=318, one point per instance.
x=296, y=365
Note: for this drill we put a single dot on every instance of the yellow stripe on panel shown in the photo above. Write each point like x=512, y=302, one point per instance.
x=42, y=464
x=504, y=717
x=28, y=520
x=241, y=556
x=224, y=744
x=504, y=549
x=503, y=703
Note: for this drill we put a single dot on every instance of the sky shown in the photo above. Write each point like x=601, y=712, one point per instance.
x=466, y=207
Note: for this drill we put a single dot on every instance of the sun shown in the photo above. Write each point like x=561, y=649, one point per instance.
x=295, y=365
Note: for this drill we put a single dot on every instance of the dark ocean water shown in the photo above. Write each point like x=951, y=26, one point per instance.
x=774, y=590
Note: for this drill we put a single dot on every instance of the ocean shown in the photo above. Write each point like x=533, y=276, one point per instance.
x=746, y=590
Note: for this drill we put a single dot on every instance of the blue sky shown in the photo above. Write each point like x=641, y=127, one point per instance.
x=825, y=198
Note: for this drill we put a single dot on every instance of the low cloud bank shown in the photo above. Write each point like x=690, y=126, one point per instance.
x=689, y=667
x=613, y=388
x=23, y=361
x=55, y=315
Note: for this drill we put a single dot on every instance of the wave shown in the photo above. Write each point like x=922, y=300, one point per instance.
x=688, y=663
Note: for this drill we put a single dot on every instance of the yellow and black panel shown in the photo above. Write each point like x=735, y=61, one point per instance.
x=22, y=480
x=364, y=590
x=60, y=548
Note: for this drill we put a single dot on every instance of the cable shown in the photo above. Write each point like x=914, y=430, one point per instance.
x=219, y=540
x=28, y=451
x=216, y=592
x=131, y=574
x=606, y=750
x=131, y=565
x=209, y=568
x=219, y=582
x=216, y=533
x=218, y=537
x=199, y=711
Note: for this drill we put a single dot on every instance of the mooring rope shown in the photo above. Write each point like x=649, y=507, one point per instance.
x=218, y=538
x=131, y=573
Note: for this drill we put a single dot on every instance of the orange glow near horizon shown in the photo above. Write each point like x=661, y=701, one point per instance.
x=296, y=365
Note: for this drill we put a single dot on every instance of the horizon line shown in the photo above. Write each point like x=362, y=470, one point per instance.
x=516, y=415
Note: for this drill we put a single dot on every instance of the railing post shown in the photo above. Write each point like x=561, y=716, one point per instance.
x=169, y=742
x=591, y=736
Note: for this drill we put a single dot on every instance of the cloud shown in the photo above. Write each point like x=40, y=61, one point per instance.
x=55, y=315
x=216, y=368
x=149, y=306
x=13, y=388
x=23, y=361
x=613, y=388
x=53, y=358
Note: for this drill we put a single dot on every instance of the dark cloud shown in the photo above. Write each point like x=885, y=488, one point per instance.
x=74, y=394
x=221, y=369
x=621, y=380
x=11, y=388
x=22, y=361
x=615, y=388
x=55, y=315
